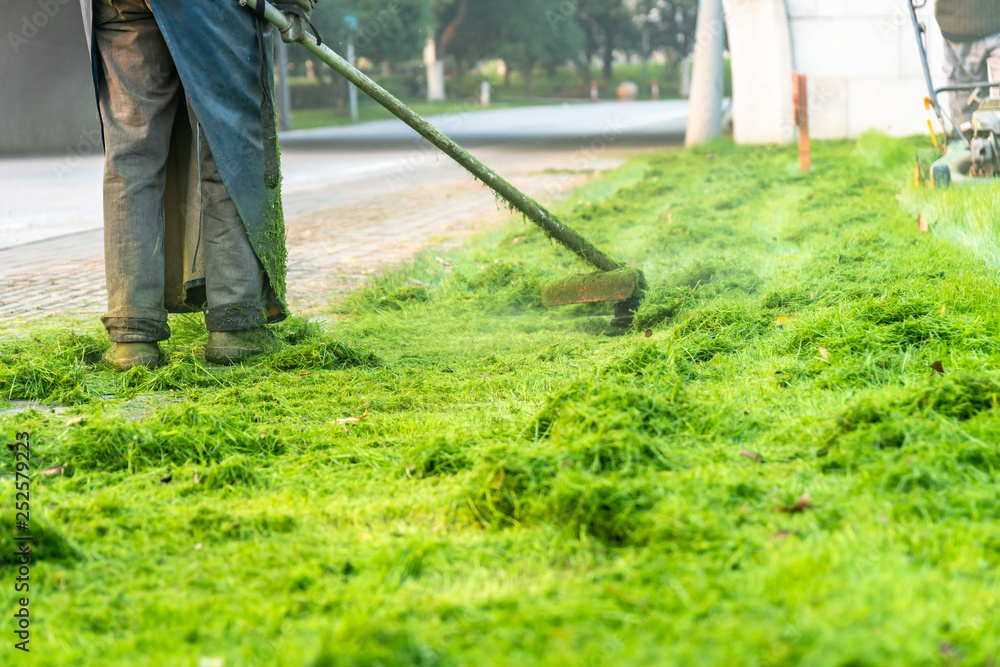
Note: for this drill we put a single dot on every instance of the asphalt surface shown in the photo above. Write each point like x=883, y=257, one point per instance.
x=625, y=123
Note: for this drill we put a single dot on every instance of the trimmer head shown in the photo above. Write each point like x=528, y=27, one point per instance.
x=624, y=287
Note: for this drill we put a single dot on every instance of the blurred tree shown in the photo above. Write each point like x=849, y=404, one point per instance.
x=450, y=15
x=388, y=31
x=608, y=25
x=525, y=33
x=670, y=25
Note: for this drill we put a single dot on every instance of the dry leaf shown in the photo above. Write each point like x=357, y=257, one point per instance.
x=922, y=223
x=76, y=420
x=781, y=320
x=649, y=332
x=166, y=479
x=823, y=353
x=780, y=535
x=195, y=476
x=801, y=505
x=812, y=295
x=54, y=470
x=197, y=547
x=670, y=219
x=500, y=479
x=305, y=373
x=351, y=420
x=638, y=374
x=520, y=239
x=753, y=456
x=938, y=367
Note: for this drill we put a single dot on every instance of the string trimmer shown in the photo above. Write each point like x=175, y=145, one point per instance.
x=614, y=281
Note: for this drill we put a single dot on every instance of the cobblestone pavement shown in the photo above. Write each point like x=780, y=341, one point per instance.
x=338, y=234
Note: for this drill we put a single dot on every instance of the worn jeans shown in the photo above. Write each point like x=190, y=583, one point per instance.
x=968, y=62
x=140, y=94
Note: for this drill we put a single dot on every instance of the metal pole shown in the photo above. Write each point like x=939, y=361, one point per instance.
x=645, y=61
x=353, y=89
x=529, y=207
x=284, y=92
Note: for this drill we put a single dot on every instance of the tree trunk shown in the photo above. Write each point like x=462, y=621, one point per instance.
x=448, y=33
x=609, y=60
x=529, y=78
x=588, y=57
x=342, y=94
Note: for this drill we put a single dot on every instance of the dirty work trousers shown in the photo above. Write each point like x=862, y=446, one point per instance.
x=140, y=94
x=968, y=62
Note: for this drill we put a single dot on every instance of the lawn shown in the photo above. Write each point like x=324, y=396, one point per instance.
x=792, y=460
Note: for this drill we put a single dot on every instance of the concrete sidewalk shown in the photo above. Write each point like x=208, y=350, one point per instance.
x=349, y=210
x=44, y=198
x=348, y=215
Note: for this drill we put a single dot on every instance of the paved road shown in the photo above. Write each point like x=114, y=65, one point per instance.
x=632, y=123
x=349, y=211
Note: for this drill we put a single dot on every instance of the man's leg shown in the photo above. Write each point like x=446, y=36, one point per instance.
x=139, y=93
x=234, y=276
x=965, y=62
x=993, y=61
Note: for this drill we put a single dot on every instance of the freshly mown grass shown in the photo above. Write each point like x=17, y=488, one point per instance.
x=792, y=460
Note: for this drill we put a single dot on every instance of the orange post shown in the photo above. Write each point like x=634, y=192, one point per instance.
x=800, y=103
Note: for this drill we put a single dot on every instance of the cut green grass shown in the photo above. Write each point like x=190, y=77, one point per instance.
x=448, y=474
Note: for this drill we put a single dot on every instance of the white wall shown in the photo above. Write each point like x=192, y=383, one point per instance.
x=863, y=65
x=47, y=102
x=860, y=57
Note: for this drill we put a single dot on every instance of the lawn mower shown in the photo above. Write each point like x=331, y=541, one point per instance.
x=613, y=281
x=970, y=152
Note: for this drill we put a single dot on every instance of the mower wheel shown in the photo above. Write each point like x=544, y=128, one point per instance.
x=942, y=176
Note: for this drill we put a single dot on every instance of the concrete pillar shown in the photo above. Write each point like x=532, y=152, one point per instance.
x=705, y=120
x=47, y=102
x=760, y=44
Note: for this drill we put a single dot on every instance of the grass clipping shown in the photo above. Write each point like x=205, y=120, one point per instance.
x=792, y=460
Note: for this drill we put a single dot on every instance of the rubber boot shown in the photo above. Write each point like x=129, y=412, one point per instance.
x=124, y=356
x=233, y=347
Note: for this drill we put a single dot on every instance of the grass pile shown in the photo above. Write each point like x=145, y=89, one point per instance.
x=792, y=460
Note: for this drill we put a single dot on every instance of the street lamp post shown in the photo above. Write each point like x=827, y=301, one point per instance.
x=352, y=27
x=284, y=93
